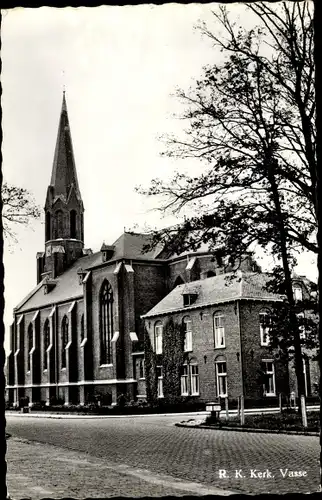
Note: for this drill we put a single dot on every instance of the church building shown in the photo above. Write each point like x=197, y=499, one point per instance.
x=79, y=334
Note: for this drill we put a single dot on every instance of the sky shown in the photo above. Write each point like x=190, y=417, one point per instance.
x=120, y=67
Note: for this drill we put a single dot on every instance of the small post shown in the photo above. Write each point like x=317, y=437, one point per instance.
x=303, y=410
x=280, y=402
x=226, y=408
x=238, y=407
x=242, y=414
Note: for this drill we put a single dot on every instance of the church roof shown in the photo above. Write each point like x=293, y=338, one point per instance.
x=64, y=173
x=215, y=290
x=66, y=287
x=128, y=246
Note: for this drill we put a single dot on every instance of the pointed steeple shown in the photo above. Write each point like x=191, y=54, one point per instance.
x=64, y=220
x=64, y=173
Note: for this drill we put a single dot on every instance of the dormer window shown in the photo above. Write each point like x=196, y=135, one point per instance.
x=49, y=285
x=107, y=252
x=189, y=299
x=81, y=275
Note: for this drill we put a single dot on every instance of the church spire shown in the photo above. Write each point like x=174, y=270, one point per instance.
x=64, y=173
x=64, y=221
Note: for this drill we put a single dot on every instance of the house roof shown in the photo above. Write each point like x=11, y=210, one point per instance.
x=215, y=290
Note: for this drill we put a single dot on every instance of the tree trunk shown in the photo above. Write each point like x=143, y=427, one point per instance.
x=288, y=284
x=318, y=187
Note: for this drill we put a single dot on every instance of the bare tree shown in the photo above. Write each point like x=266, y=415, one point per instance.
x=18, y=208
x=251, y=123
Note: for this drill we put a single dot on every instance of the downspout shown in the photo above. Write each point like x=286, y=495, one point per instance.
x=240, y=347
x=56, y=350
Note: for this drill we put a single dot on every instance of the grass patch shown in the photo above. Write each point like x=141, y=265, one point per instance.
x=288, y=420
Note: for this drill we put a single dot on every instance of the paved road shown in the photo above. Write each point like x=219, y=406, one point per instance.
x=199, y=455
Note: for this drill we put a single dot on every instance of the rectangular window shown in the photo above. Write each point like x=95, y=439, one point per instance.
x=158, y=338
x=300, y=317
x=141, y=369
x=194, y=374
x=186, y=300
x=269, y=382
x=221, y=370
x=264, y=328
x=184, y=380
x=189, y=299
x=187, y=336
x=160, y=381
x=219, y=331
x=297, y=293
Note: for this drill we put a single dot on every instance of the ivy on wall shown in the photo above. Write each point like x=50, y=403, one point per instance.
x=171, y=360
x=150, y=369
x=173, y=357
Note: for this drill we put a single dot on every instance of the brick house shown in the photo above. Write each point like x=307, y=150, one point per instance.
x=79, y=334
x=226, y=344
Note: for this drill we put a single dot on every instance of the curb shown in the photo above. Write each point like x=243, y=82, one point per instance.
x=249, y=429
x=77, y=415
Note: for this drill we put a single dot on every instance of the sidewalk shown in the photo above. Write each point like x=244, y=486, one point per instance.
x=37, y=471
x=253, y=411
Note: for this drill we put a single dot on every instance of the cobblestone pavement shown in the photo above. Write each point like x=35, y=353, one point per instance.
x=224, y=459
x=37, y=471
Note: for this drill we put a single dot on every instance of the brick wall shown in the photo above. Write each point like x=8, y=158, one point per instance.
x=253, y=353
x=203, y=350
x=243, y=352
x=150, y=288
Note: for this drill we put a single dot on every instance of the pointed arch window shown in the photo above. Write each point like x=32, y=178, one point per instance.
x=59, y=224
x=48, y=226
x=46, y=342
x=82, y=227
x=64, y=340
x=106, y=323
x=30, y=344
x=72, y=222
x=82, y=329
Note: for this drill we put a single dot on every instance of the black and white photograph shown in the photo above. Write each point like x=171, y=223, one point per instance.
x=160, y=217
